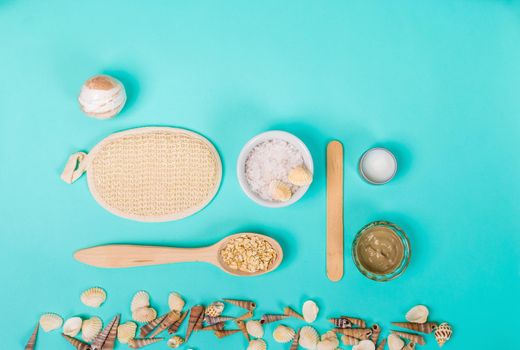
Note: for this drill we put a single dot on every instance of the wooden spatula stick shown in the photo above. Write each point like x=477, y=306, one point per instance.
x=335, y=210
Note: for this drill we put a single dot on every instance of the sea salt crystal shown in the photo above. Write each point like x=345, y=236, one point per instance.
x=271, y=161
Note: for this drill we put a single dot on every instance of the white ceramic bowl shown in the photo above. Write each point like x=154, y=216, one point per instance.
x=269, y=135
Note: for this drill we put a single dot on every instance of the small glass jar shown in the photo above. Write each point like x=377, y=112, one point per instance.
x=399, y=267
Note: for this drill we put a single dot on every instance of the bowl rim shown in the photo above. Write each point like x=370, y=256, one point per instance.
x=262, y=137
x=406, y=257
x=362, y=173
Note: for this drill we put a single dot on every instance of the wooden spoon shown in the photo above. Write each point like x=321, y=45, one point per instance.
x=127, y=255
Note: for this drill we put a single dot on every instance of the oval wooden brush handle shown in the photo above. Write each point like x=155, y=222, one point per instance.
x=124, y=255
x=335, y=210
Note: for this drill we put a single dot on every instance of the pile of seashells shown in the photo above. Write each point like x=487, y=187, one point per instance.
x=351, y=330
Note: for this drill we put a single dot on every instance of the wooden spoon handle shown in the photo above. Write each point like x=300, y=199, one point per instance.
x=335, y=210
x=123, y=255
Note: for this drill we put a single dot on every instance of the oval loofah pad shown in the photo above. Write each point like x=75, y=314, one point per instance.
x=151, y=174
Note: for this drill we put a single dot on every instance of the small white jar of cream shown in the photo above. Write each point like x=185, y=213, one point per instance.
x=378, y=166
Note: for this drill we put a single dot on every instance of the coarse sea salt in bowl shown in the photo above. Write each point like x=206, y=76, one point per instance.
x=267, y=159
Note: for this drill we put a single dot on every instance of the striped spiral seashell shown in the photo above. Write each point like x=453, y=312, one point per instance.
x=257, y=344
x=364, y=345
x=255, y=329
x=126, y=331
x=348, y=340
x=93, y=297
x=175, y=341
x=50, y=321
x=308, y=338
x=102, y=97
x=283, y=334
x=91, y=328
x=72, y=326
x=443, y=333
x=215, y=309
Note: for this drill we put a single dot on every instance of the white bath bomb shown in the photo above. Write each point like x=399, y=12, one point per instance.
x=102, y=97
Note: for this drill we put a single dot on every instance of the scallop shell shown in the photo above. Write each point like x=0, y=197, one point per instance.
x=141, y=299
x=102, y=97
x=255, y=329
x=348, y=340
x=175, y=301
x=381, y=345
x=364, y=345
x=91, y=328
x=50, y=322
x=308, y=338
x=280, y=191
x=126, y=331
x=93, y=297
x=215, y=309
x=175, y=341
x=443, y=333
x=257, y=344
x=300, y=176
x=416, y=338
x=310, y=311
x=329, y=341
x=417, y=314
x=72, y=326
x=283, y=334
x=394, y=342
x=144, y=314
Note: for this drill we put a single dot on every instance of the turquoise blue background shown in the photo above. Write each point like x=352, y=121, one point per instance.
x=438, y=82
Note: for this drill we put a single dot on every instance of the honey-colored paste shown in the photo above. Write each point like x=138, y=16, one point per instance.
x=379, y=250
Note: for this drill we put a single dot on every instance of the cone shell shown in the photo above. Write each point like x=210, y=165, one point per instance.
x=175, y=341
x=255, y=329
x=215, y=309
x=91, y=328
x=296, y=341
x=226, y=332
x=427, y=327
x=126, y=331
x=417, y=314
x=356, y=321
x=376, y=331
x=395, y=342
x=31, y=343
x=93, y=297
x=283, y=334
x=195, y=320
x=108, y=336
x=177, y=324
x=443, y=333
x=150, y=326
x=78, y=344
x=212, y=320
x=214, y=327
x=245, y=304
x=102, y=97
x=381, y=345
x=310, y=311
x=50, y=322
x=139, y=343
x=144, y=314
x=300, y=176
x=409, y=346
x=175, y=301
x=72, y=326
x=341, y=322
x=364, y=345
x=292, y=313
x=141, y=299
x=245, y=316
x=241, y=324
x=169, y=319
x=416, y=338
x=280, y=191
x=257, y=344
x=308, y=338
x=359, y=333
x=270, y=318
x=348, y=340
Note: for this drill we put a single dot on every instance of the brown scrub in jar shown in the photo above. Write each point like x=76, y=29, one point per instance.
x=380, y=250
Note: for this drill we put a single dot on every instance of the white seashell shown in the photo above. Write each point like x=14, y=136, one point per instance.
x=214, y=309
x=141, y=299
x=93, y=297
x=300, y=176
x=126, y=331
x=417, y=314
x=50, y=322
x=308, y=338
x=255, y=329
x=283, y=334
x=257, y=344
x=395, y=342
x=175, y=341
x=144, y=314
x=280, y=191
x=329, y=341
x=364, y=345
x=91, y=328
x=72, y=326
x=102, y=97
x=175, y=301
x=310, y=311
